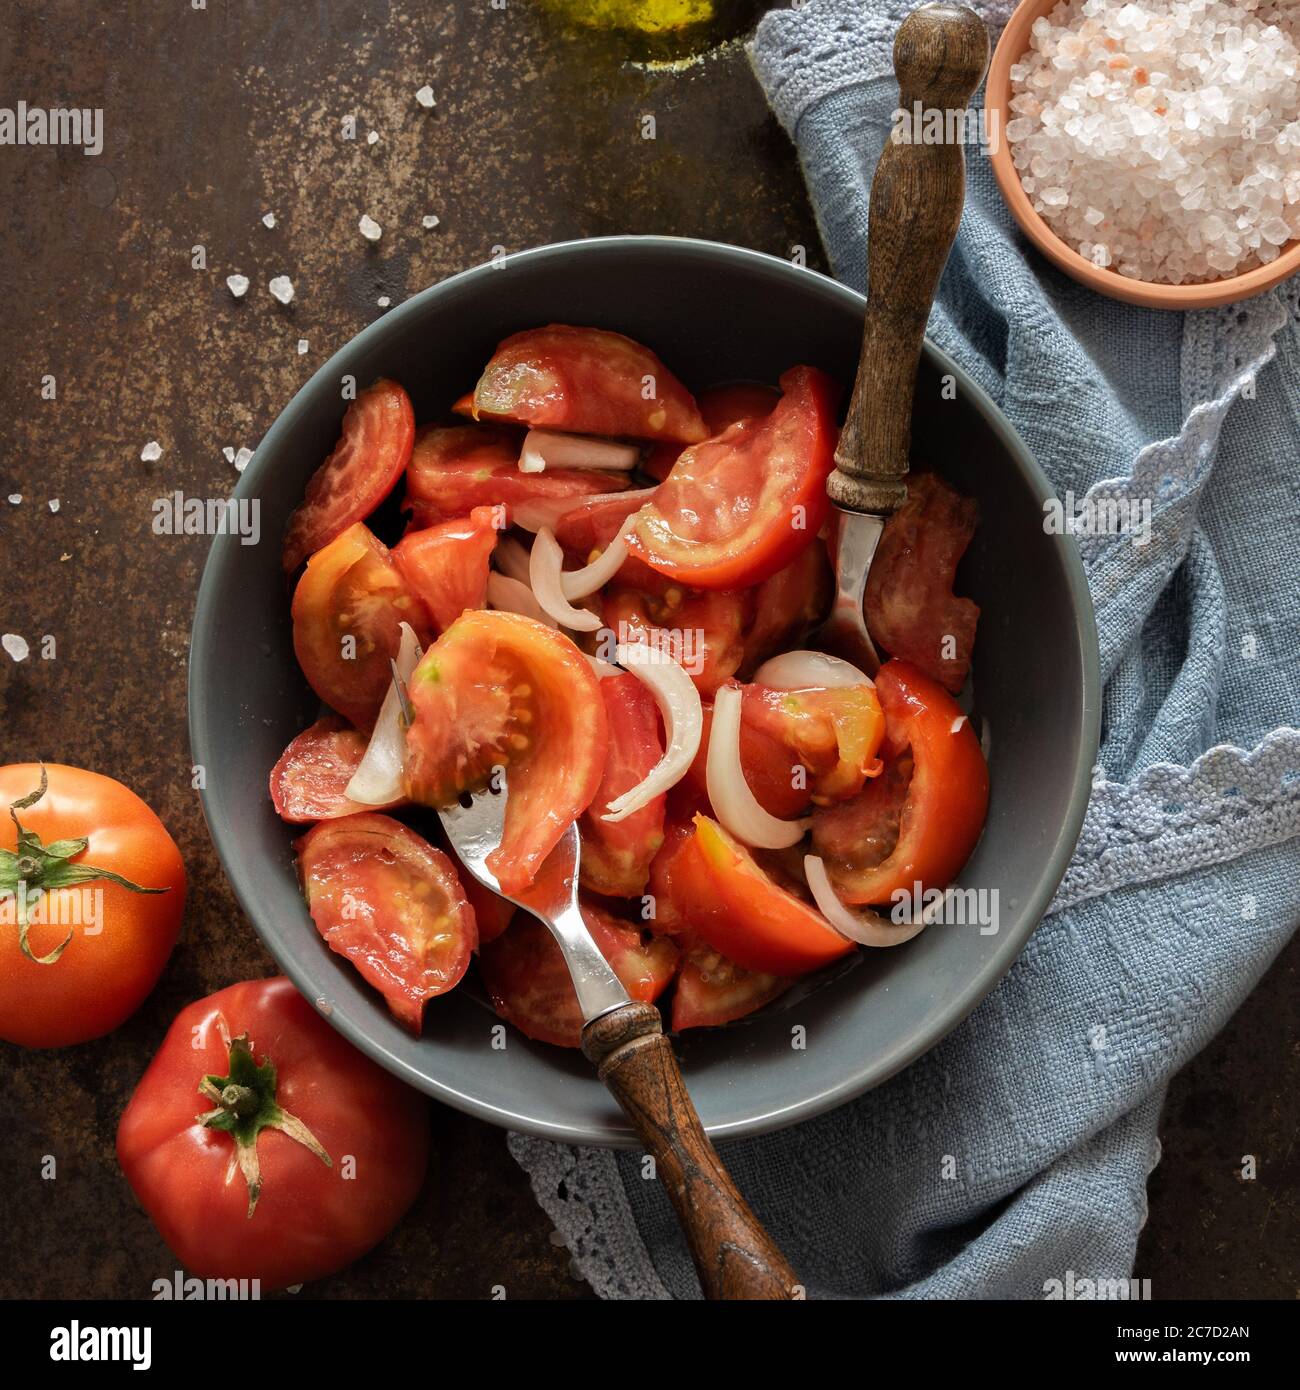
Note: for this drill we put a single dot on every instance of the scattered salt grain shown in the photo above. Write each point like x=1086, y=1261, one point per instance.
x=372, y=138
x=16, y=646
x=229, y=454
x=237, y=285
x=429, y=221
x=425, y=97
x=383, y=301
x=370, y=229
x=53, y=504
x=1175, y=126
x=302, y=347
x=281, y=288
x=242, y=459
x=151, y=452
x=269, y=220
x=15, y=498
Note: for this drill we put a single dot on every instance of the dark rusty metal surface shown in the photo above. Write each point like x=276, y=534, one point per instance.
x=212, y=118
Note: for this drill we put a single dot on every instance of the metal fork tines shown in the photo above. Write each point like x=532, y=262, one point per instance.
x=475, y=831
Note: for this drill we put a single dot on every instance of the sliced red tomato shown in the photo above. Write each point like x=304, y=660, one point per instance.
x=787, y=605
x=737, y=508
x=446, y=565
x=616, y=855
x=498, y=690
x=309, y=783
x=391, y=904
x=667, y=909
x=720, y=406
x=455, y=468
x=873, y=845
x=530, y=986
x=736, y=908
x=833, y=734
x=701, y=630
x=586, y=381
x=492, y=912
x=371, y=455
x=347, y=614
x=912, y=612
x=712, y=990
x=586, y=529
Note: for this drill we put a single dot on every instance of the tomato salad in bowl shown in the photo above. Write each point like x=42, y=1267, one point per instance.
x=604, y=587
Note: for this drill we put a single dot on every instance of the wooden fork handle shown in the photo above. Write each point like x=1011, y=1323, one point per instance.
x=734, y=1256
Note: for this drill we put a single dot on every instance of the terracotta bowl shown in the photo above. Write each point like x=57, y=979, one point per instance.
x=1011, y=48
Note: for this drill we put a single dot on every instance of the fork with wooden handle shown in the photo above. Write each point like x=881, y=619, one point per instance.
x=734, y=1256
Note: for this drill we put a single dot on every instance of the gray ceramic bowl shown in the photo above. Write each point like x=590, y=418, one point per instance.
x=713, y=313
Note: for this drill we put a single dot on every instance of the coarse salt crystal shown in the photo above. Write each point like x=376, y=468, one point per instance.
x=15, y=498
x=229, y=454
x=383, y=301
x=16, y=646
x=53, y=504
x=151, y=452
x=281, y=288
x=242, y=459
x=237, y=285
x=430, y=220
x=425, y=96
x=269, y=220
x=372, y=138
x=302, y=347
x=370, y=229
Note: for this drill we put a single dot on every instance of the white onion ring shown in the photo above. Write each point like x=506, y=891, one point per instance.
x=535, y=512
x=603, y=669
x=683, y=716
x=553, y=449
x=544, y=574
x=807, y=670
x=734, y=804
x=866, y=928
x=580, y=583
x=513, y=596
x=511, y=558
x=378, y=778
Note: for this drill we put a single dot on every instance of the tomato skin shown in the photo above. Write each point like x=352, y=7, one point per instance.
x=530, y=985
x=100, y=979
x=702, y=630
x=385, y=899
x=310, y=1221
x=947, y=797
x=455, y=468
x=586, y=381
x=497, y=689
x=712, y=990
x=720, y=406
x=910, y=607
x=309, y=783
x=353, y=589
x=446, y=566
x=616, y=855
x=708, y=527
x=730, y=903
x=492, y=912
x=371, y=455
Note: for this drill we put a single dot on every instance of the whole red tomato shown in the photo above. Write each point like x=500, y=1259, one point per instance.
x=330, y=1150
x=105, y=889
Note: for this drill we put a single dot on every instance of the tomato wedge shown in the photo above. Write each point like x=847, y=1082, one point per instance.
x=912, y=612
x=939, y=809
x=530, y=986
x=455, y=468
x=310, y=781
x=700, y=630
x=446, y=566
x=739, y=910
x=347, y=614
x=834, y=734
x=712, y=990
x=371, y=455
x=587, y=528
x=392, y=904
x=492, y=912
x=720, y=406
x=737, y=508
x=586, y=381
x=616, y=855
x=498, y=690
x=786, y=605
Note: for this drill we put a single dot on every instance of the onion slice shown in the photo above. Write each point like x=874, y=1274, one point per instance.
x=807, y=670
x=734, y=803
x=378, y=778
x=535, y=512
x=544, y=574
x=683, y=716
x=513, y=596
x=552, y=449
x=602, y=668
x=580, y=583
x=866, y=928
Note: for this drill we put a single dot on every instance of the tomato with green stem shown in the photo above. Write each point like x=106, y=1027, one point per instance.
x=264, y=1146
x=92, y=889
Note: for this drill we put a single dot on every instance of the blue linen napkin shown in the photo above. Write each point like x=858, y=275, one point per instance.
x=1186, y=882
